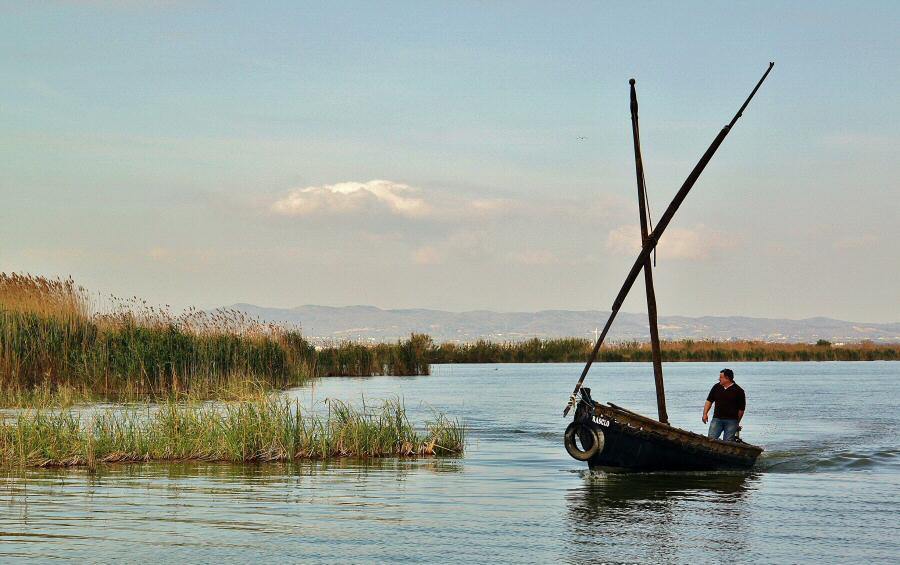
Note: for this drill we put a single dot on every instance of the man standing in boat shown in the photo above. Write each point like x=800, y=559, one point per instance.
x=730, y=403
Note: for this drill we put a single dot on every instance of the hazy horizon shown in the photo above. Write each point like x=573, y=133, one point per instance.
x=467, y=157
x=629, y=312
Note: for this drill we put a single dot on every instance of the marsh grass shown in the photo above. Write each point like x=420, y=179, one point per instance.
x=407, y=357
x=65, y=395
x=567, y=350
x=267, y=428
x=53, y=338
x=50, y=335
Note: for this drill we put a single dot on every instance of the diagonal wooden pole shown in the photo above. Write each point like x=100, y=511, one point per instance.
x=648, y=268
x=653, y=238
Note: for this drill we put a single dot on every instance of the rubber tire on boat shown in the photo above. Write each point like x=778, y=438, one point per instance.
x=573, y=432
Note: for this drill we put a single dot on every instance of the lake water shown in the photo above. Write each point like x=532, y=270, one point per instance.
x=826, y=489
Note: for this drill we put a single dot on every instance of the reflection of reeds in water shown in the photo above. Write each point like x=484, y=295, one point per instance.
x=565, y=350
x=52, y=339
x=275, y=473
x=264, y=429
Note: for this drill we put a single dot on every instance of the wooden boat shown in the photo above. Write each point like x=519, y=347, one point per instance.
x=608, y=436
x=612, y=437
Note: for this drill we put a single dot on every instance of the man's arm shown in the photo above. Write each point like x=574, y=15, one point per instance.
x=710, y=398
x=740, y=415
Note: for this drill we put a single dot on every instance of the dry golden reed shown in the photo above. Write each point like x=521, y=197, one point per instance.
x=52, y=337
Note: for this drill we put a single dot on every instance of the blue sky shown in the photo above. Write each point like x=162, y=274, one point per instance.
x=212, y=153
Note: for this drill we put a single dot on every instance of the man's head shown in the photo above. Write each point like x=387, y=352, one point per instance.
x=726, y=377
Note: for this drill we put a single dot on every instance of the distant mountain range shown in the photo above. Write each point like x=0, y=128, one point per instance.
x=326, y=323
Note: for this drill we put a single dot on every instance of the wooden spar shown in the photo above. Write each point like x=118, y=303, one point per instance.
x=648, y=269
x=653, y=238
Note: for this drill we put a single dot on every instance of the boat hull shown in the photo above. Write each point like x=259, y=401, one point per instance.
x=634, y=442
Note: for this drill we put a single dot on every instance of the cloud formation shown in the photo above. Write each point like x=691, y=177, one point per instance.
x=440, y=209
x=692, y=244
x=351, y=197
x=427, y=255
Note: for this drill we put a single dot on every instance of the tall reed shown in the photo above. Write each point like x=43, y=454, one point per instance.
x=52, y=337
x=352, y=359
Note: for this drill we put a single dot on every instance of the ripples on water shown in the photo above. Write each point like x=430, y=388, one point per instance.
x=825, y=489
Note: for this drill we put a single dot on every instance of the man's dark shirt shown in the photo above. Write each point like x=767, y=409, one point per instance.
x=729, y=401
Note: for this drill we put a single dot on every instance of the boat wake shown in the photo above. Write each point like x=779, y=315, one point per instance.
x=809, y=460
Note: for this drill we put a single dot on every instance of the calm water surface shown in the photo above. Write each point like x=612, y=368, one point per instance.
x=825, y=490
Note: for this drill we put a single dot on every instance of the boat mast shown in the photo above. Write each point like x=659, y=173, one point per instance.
x=648, y=268
x=661, y=225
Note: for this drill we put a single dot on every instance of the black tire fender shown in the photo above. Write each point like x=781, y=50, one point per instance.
x=585, y=432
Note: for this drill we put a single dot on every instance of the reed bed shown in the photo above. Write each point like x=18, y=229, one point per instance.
x=268, y=428
x=64, y=395
x=407, y=357
x=577, y=350
x=52, y=337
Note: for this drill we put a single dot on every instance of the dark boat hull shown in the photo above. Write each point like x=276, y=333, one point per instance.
x=634, y=442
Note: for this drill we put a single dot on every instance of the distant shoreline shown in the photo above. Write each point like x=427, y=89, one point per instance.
x=568, y=350
x=56, y=348
x=325, y=324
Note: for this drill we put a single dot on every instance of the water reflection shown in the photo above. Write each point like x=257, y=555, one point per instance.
x=193, y=505
x=242, y=473
x=670, y=513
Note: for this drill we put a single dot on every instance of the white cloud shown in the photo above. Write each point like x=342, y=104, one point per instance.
x=624, y=240
x=427, y=255
x=390, y=198
x=490, y=206
x=692, y=244
x=350, y=197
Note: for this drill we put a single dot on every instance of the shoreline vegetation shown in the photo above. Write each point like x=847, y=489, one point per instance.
x=57, y=348
x=574, y=350
x=264, y=429
x=54, y=342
